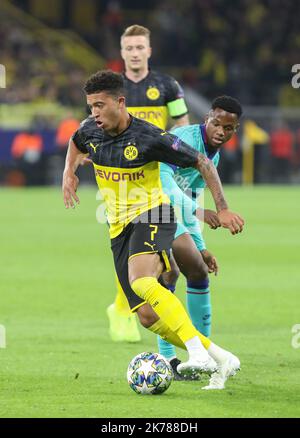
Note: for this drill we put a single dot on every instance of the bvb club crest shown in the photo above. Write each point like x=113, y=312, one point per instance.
x=153, y=93
x=130, y=152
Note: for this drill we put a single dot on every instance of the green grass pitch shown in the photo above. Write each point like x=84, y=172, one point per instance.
x=57, y=278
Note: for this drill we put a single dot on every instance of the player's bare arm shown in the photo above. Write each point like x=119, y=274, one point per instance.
x=228, y=219
x=181, y=121
x=70, y=181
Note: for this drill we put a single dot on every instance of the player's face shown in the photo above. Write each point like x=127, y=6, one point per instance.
x=106, y=109
x=220, y=126
x=135, y=51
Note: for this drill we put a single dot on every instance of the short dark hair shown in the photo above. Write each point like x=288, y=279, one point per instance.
x=105, y=80
x=228, y=103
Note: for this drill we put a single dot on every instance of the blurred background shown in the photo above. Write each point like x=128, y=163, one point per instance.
x=244, y=48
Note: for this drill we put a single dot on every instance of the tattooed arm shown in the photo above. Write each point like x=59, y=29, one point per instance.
x=212, y=179
x=228, y=219
x=167, y=148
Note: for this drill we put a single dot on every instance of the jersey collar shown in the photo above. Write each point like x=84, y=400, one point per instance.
x=139, y=82
x=106, y=135
x=209, y=152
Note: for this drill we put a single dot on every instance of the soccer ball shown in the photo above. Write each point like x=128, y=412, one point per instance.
x=149, y=373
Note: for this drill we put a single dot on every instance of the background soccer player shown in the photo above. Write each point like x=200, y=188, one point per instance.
x=154, y=97
x=126, y=152
x=183, y=186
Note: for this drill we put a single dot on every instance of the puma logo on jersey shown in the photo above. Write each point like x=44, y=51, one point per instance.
x=151, y=246
x=94, y=147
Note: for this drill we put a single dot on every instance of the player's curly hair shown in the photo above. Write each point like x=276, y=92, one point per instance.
x=228, y=103
x=105, y=80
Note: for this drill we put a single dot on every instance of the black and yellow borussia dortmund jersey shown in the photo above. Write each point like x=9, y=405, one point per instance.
x=127, y=166
x=154, y=97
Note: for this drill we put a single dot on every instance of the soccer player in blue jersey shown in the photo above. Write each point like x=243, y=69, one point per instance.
x=184, y=186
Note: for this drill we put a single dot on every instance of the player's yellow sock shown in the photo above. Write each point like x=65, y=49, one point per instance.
x=169, y=309
x=160, y=328
x=121, y=303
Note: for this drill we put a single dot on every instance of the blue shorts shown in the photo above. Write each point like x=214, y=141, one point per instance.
x=194, y=230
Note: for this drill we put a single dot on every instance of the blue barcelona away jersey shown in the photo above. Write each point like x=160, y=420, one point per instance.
x=184, y=186
x=189, y=180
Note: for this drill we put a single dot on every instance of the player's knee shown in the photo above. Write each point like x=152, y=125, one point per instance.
x=141, y=286
x=146, y=315
x=197, y=271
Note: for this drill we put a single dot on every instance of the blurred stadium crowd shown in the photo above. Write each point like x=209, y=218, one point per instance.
x=244, y=48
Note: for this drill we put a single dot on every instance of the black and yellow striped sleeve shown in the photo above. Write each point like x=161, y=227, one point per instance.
x=168, y=148
x=78, y=140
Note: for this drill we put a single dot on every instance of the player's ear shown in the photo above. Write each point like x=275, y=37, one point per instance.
x=122, y=101
x=149, y=52
x=236, y=127
x=208, y=115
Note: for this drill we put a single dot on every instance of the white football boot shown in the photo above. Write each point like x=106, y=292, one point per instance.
x=228, y=368
x=194, y=366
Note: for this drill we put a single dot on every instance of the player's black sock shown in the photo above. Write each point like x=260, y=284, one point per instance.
x=179, y=377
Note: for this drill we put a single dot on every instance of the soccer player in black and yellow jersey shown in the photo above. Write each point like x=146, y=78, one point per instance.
x=126, y=152
x=154, y=97
x=150, y=95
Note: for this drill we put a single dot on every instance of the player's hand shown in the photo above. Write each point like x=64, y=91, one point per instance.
x=233, y=221
x=211, y=219
x=69, y=187
x=211, y=261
